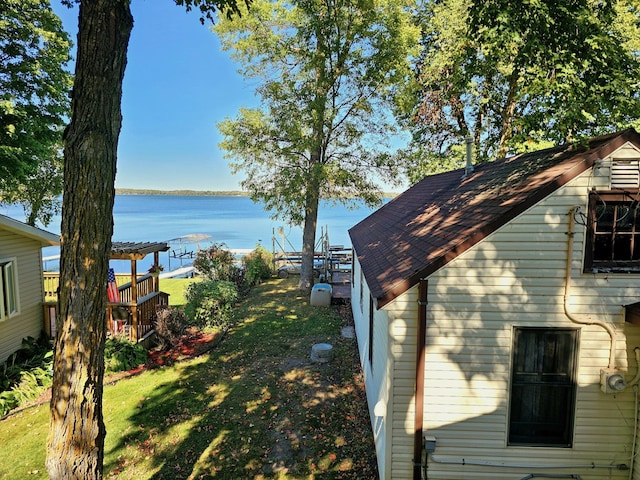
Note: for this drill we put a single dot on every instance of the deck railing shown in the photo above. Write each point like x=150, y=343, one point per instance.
x=51, y=284
x=135, y=319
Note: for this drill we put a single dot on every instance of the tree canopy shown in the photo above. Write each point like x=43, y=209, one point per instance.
x=516, y=76
x=327, y=71
x=39, y=192
x=34, y=103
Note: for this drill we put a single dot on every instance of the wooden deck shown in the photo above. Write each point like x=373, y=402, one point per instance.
x=139, y=298
x=341, y=287
x=133, y=316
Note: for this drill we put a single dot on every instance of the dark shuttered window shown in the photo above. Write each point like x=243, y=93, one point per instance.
x=543, y=387
x=613, y=233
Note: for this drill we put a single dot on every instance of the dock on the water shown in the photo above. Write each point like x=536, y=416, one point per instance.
x=339, y=265
x=341, y=287
x=182, y=272
x=331, y=263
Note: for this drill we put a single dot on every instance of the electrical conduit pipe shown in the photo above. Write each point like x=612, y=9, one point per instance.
x=567, y=294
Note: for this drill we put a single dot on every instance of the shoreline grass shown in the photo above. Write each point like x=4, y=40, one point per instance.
x=254, y=407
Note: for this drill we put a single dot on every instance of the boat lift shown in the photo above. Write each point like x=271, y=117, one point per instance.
x=332, y=263
x=182, y=248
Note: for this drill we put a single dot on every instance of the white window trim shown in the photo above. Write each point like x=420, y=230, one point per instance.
x=9, y=267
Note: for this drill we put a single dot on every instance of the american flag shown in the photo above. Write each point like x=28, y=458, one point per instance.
x=113, y=295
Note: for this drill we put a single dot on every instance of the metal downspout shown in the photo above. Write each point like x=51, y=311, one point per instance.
x=419, y=394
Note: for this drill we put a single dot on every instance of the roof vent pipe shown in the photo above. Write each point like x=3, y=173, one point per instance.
x=468, y=169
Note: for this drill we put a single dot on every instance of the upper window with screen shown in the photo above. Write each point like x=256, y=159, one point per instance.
x=613, y=237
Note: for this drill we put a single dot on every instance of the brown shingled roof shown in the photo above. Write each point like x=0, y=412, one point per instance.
x=443, y=215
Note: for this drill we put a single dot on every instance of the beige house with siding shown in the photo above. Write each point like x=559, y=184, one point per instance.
x=497, y=313
x=21, y=291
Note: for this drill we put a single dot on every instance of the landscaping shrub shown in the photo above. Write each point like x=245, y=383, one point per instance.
x=29, y=371
x=210, y=302
x=258, y=265
x=219, y=263
x=170, y=326
x=121, y=354
x=215, y=262
x=26, y=373
x=238, y=277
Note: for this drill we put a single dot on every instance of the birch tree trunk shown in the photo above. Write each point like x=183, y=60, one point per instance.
x=75, y=447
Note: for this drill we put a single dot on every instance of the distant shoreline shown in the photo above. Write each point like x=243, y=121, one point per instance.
x=182, y=193
x=201, y=193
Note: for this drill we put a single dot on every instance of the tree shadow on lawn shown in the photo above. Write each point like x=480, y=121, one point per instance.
x=256, y=407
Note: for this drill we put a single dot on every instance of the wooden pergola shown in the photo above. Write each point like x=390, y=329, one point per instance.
x=140, y=297
x=135, y=313
x=135, y=251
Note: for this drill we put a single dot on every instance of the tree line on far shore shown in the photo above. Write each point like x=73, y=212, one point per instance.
x=200, y=193
x=182, y=193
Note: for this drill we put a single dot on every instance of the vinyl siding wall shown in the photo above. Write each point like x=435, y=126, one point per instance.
x=379, y=375
x=516, y=277
x=628, y=153
x=403, y=329
x=29, y=269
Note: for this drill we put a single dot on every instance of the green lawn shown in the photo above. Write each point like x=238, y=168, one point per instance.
x=176, y=288
x=252, y=408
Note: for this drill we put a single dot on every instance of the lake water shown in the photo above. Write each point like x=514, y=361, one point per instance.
x=233, y=220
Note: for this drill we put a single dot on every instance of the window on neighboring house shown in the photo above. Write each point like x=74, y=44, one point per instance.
x=543, y=387
x=613, y=237
x=9, y=303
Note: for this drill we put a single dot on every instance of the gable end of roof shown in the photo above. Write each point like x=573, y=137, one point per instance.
x=491, y=197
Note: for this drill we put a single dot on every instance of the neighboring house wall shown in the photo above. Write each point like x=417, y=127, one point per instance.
x=636, y=461
x=403, y=329
x=514, y=277
x=28, y=322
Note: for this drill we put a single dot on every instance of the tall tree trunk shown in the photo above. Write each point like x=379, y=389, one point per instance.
x=75, y=448
x=312, y=192
x=312, y=201
x=34, y=208
x=508, y=114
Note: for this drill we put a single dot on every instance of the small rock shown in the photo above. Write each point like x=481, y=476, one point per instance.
x=348, y=331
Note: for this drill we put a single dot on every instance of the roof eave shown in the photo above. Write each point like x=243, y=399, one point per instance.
x=42, y=236
x=480, y=234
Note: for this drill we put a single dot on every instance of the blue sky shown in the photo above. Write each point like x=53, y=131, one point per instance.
x=178, y=85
